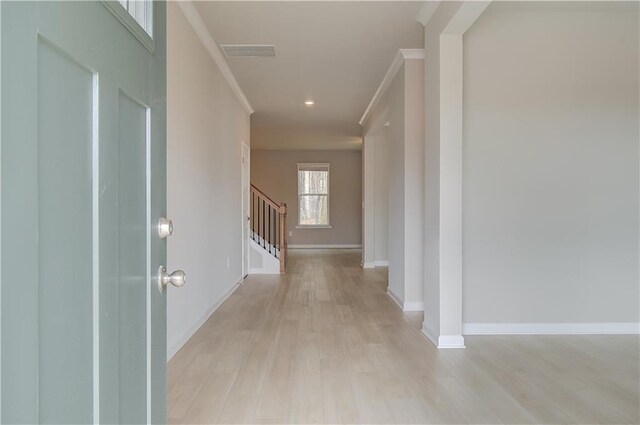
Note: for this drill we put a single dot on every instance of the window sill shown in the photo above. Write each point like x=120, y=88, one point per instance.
x=311, y=226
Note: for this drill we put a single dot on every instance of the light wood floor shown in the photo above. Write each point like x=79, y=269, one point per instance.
x=324, y=344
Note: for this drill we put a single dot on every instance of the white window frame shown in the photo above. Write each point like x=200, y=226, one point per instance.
x=304, y=165
x=137, y=17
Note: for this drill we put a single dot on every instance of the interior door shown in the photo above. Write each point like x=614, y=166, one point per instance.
x=82, y=148
x=245, y=209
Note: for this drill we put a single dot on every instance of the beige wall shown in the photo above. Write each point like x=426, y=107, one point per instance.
x=550, y=164
x=205, y=126
x=275, y=173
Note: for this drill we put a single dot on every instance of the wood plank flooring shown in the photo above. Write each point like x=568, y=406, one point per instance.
x=325, y=344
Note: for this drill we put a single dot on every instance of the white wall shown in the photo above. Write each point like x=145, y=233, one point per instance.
x=414, y=181
x=396, y=174
x=395, y=127
x=550, y=164
x=381, y=194
x=206, y=125
x=368, y=199
x=375, y=154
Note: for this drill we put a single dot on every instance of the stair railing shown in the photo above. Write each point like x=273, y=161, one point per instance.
x=269, y=224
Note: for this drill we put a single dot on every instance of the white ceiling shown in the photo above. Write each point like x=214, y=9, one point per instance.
x=335, y=53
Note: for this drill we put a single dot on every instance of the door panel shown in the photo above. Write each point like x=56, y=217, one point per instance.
x=18, y=226
x=65, y=235
x=82, y=177
x=132, y=258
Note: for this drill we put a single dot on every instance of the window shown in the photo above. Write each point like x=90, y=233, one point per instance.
x=313, y=195
x=140, y=10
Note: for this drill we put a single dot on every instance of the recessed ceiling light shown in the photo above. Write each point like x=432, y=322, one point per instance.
x=309, y=102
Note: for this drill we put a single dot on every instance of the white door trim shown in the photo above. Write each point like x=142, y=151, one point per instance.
x=245, y=181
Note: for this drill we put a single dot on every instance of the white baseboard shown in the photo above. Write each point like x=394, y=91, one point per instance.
x=443, y=341
x=368, y=265
x=176, y=346
x=325, y=246
x=262, y=271
x=431, y=336
x=615, y=328
x=451, y=341
x=395, y=299
x=379, y=263
x=405, y=306
x=413, y=306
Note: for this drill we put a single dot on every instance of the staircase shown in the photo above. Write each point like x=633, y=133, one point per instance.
x=267, y=230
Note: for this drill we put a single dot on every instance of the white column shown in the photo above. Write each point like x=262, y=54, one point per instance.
x=368, y=202
x=451, y=191
x=448, y=21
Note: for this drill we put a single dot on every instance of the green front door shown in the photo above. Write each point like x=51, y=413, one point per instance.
x=82, y=186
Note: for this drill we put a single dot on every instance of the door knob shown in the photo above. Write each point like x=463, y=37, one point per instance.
x=165, y=227
x=177, y=279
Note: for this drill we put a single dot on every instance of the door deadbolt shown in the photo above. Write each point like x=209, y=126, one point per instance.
x=165, y=227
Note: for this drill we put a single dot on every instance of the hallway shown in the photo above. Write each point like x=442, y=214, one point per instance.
x=325, y=344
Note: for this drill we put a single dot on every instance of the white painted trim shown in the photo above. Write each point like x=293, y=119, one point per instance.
x=254, y=271
x=431, y=336
x=246, y=197
x=304, y=165
x=451, y=341
x=382, y=88
x=408, y=54
x=395, y=299
x=175, y=347
x=450, y=173
x=313, y=164
x=398, y=60
x=614, y=328
x=368, y=265
x=443, y=341
x=198, y=25
x=413, y=306
x=314, y=226
x=464, y=18
x=426, y=12
x=368, y=199
x=405, y=306
x=270, y=264
x=450, y=202
x=381, y=263
x=326, y=246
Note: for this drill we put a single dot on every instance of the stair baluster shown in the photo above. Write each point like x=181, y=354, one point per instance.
x=268, y=225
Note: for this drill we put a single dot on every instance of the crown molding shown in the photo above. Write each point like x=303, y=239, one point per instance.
x=198, y=25
x=426, y=12
x=382, y=88
x=398, y=60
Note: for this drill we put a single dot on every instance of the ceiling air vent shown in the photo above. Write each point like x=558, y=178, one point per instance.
x=248, y=50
